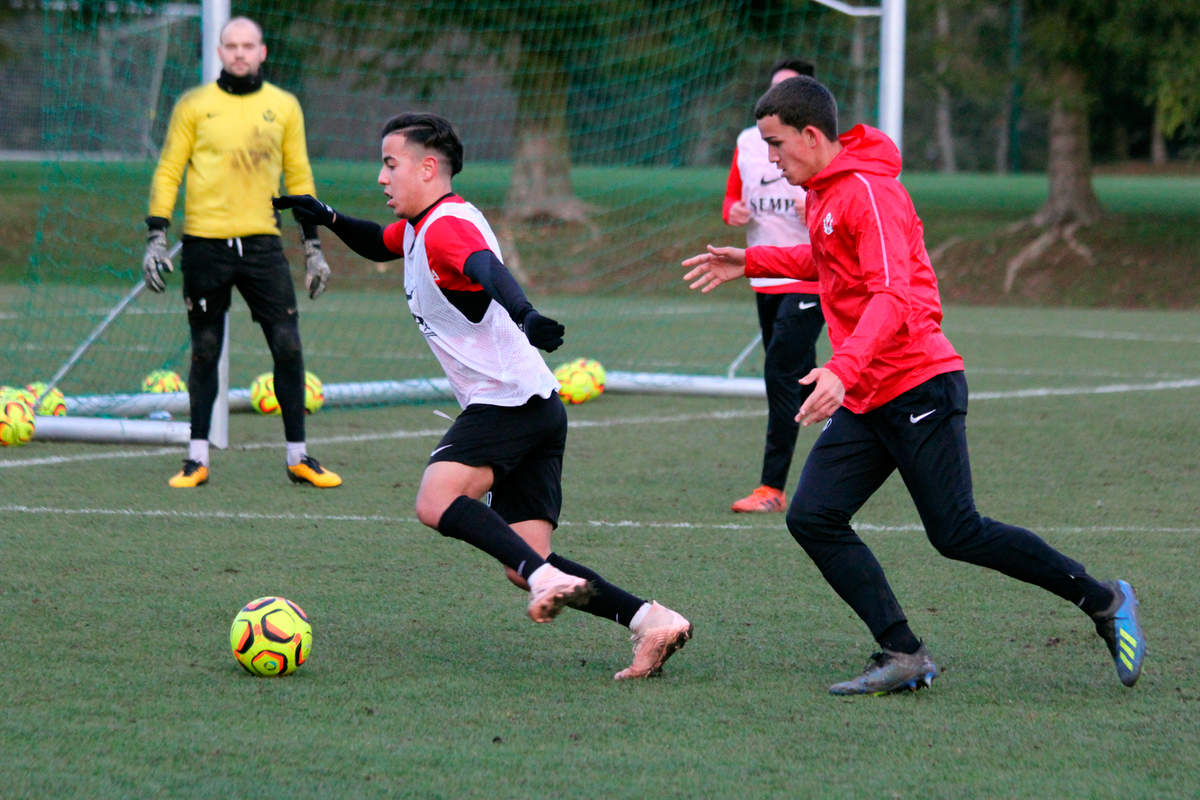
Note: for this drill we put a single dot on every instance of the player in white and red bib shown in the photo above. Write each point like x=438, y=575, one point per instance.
x=789, y=311
x=509, y=439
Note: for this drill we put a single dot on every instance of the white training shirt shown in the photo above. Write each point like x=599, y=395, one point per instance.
x=776, y=207
x=490, y=361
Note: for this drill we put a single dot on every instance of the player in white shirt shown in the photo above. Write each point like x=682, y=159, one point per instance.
x=509, y=439
x=789, y=311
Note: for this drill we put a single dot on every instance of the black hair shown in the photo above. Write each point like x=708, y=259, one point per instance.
x=797, y=65
x=430, y=131
x=800, y=102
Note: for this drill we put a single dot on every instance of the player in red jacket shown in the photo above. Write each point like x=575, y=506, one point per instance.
x=893, y=395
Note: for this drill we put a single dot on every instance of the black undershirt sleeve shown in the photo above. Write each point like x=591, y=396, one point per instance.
x=363, y=237
x=484, y=268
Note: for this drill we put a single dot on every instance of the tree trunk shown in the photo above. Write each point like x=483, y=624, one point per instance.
x=541, y=178
x=1158, y=142
x=1069, y=165
x=945, y=136
x=1002, y=139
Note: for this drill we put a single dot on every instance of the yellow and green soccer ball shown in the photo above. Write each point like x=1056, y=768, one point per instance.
x=22, y=393
x=271, y=637
x=314, y=393
x=54, y=404
x=580, y=380
x=16, y=417
x=163, y=380
x=262, y=394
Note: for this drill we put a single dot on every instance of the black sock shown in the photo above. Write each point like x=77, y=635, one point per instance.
x=899, y=638
x=481, y=527
x=1095, y=597
x=608, y=601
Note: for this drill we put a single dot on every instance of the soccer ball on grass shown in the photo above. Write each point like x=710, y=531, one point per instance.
x=16, y=418
x=163, y=380
x=262, y=394
x=270, y=637
x=580, y=380
x=54, y=404
x=314, y=393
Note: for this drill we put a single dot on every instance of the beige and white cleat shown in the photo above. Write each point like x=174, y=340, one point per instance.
x=659, y=635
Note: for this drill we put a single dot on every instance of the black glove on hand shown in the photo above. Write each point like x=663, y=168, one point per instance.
x=306, y=209
x=542, y=332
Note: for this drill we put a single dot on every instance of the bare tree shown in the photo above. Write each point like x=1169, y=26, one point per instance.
x=944, y=113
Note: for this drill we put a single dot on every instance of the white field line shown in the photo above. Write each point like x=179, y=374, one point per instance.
x=1119, y=388
x=1115, y=388
x=1097, y=335
x=286, y=517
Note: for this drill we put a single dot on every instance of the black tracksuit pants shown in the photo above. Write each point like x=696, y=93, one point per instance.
x=790, y=325
x=921, y=433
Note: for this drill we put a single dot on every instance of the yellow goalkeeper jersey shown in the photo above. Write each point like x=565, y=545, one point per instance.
x=234, y=148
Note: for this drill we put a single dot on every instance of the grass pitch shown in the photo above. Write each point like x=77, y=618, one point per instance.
x=427, y=681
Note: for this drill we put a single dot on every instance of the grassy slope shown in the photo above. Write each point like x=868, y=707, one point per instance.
x=644, y=220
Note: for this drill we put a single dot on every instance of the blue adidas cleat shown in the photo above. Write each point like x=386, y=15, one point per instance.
x=1121, y=630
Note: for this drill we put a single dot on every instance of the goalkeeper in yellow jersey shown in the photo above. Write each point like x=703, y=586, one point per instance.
x=235, y=138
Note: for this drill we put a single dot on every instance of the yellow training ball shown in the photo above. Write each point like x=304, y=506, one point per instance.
x=580, y=380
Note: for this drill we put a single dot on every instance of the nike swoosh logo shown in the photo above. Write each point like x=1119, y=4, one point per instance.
x=443, y=447
x=915, y=418
x=806, y=306
x=766, y=182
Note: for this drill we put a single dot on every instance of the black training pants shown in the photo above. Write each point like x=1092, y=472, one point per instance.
x=256, y=266
x=921, y=433
x=790, y=325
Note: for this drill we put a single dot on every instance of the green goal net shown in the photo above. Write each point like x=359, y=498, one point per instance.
x=598, y=139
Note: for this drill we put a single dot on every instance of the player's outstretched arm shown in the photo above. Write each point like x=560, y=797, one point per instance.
x=489, y=272
x=362, y=236
x=307, y=209
x=309, y=213
x=719, y=265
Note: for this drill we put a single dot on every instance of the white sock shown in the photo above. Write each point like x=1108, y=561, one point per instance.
x=295, y=452
x=639, y=617
x=198, y=451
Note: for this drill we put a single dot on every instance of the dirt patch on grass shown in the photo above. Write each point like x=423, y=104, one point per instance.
x=1121, y=273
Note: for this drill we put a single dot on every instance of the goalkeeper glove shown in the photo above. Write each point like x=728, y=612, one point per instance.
x=156, y=262
x=542, y=332
x=316, y=271
x=306, y=209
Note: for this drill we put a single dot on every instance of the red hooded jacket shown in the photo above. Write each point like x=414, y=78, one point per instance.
x=878, y=291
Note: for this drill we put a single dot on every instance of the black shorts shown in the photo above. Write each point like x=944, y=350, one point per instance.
x=524, y=447
x=254, y=264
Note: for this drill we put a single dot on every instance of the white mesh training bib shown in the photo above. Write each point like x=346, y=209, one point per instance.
x=489, y=361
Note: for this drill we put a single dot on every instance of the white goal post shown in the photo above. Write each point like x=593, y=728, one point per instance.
x=81, y=427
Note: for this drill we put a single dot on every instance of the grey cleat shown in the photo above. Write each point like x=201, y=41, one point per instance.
x=889, y=671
